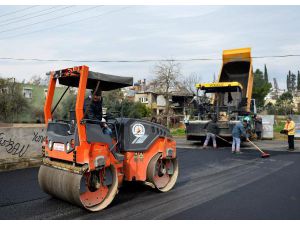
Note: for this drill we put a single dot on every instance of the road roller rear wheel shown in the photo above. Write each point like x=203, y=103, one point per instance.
x=162, y=173
x=78, y=189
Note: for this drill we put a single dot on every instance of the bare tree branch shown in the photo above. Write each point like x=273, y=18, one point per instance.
x=190, y=82
x=167, y=75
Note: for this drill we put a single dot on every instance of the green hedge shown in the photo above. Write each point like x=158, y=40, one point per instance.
x=178, y=132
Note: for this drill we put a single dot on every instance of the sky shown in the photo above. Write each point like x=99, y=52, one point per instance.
x=146, y=32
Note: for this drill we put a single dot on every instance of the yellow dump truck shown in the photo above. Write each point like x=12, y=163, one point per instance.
x=230, y=98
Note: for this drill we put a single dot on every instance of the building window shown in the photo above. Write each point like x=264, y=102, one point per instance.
x=27, y=93
x=144, y=100
x=4, y=90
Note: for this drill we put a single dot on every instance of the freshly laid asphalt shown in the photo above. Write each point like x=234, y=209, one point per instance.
x=212, y=184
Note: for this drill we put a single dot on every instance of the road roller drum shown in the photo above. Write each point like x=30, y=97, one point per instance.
x=76, y=189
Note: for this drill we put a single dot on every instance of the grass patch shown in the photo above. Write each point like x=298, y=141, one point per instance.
x=278, y=127
x=178, y=132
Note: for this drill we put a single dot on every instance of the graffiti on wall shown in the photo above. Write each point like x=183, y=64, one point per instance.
x=13, y=147
x=37, y=137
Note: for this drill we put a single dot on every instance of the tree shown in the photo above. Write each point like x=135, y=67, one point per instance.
x=115, y=103
x=190, y=82
x=12, y=101
x=291, y=82
x=134, y=109
x=36, y=79
x=271, y=109
x=284, y=104
x=67, y=104
x=112, y=100
x=298, y=81
x=260, y=88
x=288, y=82
x=266, y=74
x=167, y=74
x=39, y=80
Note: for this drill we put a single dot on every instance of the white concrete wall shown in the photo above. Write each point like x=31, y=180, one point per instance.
x=21, y=142
x=161, y=101
x=268, y=124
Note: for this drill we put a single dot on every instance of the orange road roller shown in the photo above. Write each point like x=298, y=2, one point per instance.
x=86, y=166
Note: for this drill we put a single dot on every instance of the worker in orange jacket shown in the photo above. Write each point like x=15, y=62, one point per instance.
x=289, y=127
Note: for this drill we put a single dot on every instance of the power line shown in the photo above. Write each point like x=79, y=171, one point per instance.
x=19, y=10
x=32, y=24
x=13, y=18
x=60, y=25
x=16, y=19
x=275, y=56
x=137, y=61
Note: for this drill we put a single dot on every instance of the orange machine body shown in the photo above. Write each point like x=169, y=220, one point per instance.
x=84, y=150
x=135, y=163
x=134, y=166
x=86, y=160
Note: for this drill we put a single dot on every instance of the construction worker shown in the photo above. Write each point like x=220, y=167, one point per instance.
x=258, y=126
x=238, y=131
x=248, y=127
x=200, y=103
x=195, y=102
x=289, y=127
x=186, y=120
x=93, y=106
x=212, y=131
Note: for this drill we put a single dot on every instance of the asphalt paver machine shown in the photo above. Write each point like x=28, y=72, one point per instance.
x=84, y=166
x=231, y=96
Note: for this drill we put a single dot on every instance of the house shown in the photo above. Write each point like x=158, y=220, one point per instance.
x=34, y=94
x=156, y=101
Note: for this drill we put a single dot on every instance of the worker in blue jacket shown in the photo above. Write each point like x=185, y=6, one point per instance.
x=238, y=131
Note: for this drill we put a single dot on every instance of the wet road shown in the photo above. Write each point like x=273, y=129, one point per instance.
x=212, y=184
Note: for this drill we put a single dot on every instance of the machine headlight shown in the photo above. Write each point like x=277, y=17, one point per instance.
x=68, y=148
x=50, y=144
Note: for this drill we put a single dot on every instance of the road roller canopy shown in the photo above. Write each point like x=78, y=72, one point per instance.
x=82, y=78
x=220, y=87
x=70, y=77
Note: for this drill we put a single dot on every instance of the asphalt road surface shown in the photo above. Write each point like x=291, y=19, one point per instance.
x=213, y=184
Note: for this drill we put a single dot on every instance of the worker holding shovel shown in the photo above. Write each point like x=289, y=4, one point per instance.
x=212, y=131
x=238, y=131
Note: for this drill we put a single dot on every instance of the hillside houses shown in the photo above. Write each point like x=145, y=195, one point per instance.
x=154, y=99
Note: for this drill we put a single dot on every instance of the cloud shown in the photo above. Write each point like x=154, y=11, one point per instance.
x=159, y=32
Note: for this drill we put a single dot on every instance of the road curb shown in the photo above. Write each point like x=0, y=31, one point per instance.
x=20, y=164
